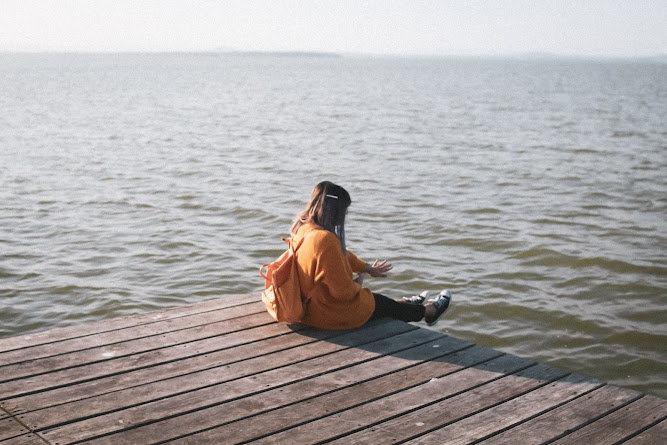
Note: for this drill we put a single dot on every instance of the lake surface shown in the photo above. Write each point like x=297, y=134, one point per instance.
x=536, y=190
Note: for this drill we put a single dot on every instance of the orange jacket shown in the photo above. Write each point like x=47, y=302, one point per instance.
x=325, y=276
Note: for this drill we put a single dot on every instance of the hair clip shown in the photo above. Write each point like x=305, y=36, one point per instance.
x=332, y=196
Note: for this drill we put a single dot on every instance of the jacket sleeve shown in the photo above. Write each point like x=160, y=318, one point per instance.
x=333, y=271
x=356, y=264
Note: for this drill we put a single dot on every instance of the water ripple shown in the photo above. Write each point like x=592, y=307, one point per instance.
x=535, y=191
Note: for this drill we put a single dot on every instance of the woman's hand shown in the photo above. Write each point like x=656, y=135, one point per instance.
x=379, y=270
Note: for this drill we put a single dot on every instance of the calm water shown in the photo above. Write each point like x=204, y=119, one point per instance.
x=535, y=190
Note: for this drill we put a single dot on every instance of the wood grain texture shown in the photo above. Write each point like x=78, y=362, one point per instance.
x=223, y=371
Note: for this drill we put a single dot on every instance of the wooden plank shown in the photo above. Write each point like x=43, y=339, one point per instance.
x=657, y=434
x=222, y=371
x=411, y=400
x=237, y=389
x=510, y=412
x=620, y=424
x=410, y=424
x=307, y=398
x=241, y=377
x=315, y=406
x=147, y=332
x=25, y=439
x=229, y=353
x=87, y=329
x=10, y=428
x=568, y=417
x=14, y=433
x=107, y=353
x=143, y=367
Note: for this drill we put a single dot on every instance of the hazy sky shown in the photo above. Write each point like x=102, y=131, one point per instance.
x=428, y=27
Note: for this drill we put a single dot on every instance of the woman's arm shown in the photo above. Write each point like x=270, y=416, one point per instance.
x=377, y=269
x=357, y=265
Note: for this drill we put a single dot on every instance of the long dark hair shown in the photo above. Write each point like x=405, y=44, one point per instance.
x=327, y=208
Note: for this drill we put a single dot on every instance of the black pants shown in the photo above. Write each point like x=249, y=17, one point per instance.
x=386, y=307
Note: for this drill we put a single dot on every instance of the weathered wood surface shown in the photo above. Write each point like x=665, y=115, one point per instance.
x=223, y=372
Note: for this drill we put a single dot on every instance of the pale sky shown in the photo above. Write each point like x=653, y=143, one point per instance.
x=617, y=28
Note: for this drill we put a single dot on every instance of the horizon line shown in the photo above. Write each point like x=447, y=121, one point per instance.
x=527, y=54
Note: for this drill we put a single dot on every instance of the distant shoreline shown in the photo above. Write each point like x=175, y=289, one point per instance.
x=316, y=54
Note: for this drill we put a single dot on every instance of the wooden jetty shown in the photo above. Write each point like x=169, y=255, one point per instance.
x=222, y=372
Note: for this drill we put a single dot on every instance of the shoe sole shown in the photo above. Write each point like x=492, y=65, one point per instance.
x=425, y=293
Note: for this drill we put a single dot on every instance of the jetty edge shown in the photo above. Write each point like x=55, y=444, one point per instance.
x=223, y=371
